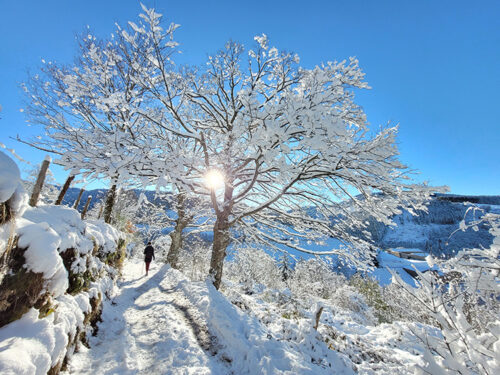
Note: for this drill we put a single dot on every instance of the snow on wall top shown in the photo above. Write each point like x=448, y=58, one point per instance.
x=66, y=222
x=10, y=177
x=41, y=254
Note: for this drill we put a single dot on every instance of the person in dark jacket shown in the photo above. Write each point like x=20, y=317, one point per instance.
x=149, y=254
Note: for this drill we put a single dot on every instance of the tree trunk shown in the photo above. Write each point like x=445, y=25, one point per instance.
x=221, y=234
x=84, y=212
x=39, y=183
x=181, y=223
x=219, y=246
x=77, y=202
x=110, y=202
x=64, y=189
x=175, y=247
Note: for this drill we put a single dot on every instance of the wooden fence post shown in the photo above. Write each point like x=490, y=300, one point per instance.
x=84, y=212
x=39, y=182
x=64, y=189
x=100, y=211
x=77, y=202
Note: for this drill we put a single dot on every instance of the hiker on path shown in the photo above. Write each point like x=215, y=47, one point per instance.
x=149, y=253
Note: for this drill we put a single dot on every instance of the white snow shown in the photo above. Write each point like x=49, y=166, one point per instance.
x=41, y=243
x=66, y=222
x=10, y=177
x=165, y=324
x=32, y=346
x=389, y=261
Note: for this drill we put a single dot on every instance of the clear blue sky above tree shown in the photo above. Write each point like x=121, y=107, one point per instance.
x=433, y=65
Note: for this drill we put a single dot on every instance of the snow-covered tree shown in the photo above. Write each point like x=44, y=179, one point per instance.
x=254, y=266
x=289, y=145
x=288, y=142
x=88, y=111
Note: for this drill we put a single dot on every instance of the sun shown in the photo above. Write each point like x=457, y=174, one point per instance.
x=214, y=179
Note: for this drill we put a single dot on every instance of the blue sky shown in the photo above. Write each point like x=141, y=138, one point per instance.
x=434, y=66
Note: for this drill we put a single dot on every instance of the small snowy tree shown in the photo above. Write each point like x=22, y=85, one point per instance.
x=285, y=265
x=89, y=113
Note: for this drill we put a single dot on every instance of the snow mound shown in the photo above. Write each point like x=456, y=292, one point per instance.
x=12, y=194
x=248, y=343
x=33, y=346
x=10, y=177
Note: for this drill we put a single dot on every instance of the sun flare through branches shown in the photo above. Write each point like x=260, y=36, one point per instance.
x=214, y=179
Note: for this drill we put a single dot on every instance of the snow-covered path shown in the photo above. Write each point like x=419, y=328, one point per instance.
x=151, y=328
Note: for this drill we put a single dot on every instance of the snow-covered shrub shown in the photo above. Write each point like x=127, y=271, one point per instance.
x=372, y=291
x=402, y=307
x=315, y=277
x=465, y=304
x=161, y=245
x=252, y=266
x=194, y=259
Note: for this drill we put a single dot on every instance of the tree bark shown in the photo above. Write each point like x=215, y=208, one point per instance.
x=175, y=247
x=110, y=202
x=176, y=236
x=221, y=233
x=84, y=212
x=39, y=183
x=219, y=246
x=77, y=202
x=64, y=189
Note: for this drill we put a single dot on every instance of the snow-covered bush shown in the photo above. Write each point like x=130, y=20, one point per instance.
x=402, y=307
x=194, y=259
x=252, y=266
x=315, y=277
x=465, y=304
x=372, y=292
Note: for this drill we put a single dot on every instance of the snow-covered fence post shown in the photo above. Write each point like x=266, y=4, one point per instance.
x=84, y=212
x=64, y=189
x=39, y=182
x=77, y=202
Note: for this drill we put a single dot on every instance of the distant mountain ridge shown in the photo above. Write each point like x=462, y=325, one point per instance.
x=435, y=231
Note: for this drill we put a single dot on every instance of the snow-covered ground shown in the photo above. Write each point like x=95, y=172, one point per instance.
x=165, y=324
x=145, y=330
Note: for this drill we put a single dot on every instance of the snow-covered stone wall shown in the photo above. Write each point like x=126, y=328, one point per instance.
x=55, y=270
